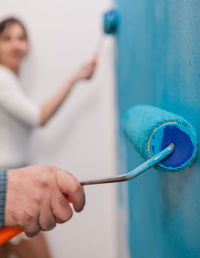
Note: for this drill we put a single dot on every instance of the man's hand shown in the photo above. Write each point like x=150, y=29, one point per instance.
x=35, y=198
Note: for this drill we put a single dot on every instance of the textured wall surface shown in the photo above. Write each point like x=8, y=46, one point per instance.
x=158, y=62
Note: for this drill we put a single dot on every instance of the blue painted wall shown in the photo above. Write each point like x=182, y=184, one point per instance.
x=158, y=62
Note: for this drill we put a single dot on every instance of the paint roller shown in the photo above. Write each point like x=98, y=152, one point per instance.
x=110, y=26
x=111, y=21
x=162, y=138
x=152, y=129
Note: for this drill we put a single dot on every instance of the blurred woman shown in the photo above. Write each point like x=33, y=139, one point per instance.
x=19, y=115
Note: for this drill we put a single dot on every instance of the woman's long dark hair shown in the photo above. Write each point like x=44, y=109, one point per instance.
x=12, y=20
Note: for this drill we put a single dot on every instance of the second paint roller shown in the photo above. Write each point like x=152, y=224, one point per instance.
x=163, y=138
x=110, y=26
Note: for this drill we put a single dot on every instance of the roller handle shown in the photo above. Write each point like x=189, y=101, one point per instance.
x=6, y=233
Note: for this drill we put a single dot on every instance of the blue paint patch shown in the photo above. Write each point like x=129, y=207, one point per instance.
x=183, y=137
x=184, y=147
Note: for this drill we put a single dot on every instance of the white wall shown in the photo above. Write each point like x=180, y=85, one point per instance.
x=81, y=137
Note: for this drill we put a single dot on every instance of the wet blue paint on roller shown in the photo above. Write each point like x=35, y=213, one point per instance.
x=150, y=128
x=180, y=136
x=184, y=147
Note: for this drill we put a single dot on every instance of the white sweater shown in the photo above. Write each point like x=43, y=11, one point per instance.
x=18, y=115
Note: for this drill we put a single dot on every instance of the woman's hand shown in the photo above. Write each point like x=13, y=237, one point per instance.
x=87, y=70
x=50, y=107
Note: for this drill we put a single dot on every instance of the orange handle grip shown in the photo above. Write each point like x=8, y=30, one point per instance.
x=6, y=233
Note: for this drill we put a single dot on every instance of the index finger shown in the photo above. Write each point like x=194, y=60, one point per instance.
x=71, y=188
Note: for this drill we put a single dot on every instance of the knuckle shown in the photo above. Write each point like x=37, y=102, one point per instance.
x=65, y=216
x=26, y=218
x=46, y=175
x=75, y=185
x=76, y=188
x=43, y=183
x=37, y=199
x=51, y=169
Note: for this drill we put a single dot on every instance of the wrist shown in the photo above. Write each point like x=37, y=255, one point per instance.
x=73, y=79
